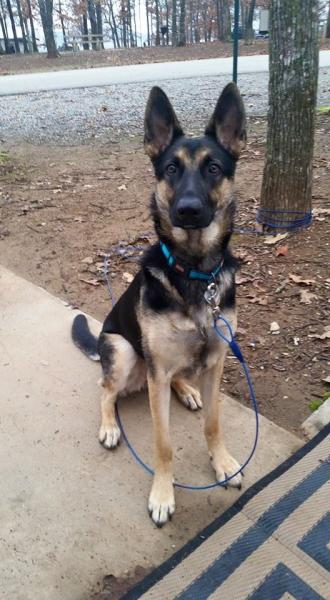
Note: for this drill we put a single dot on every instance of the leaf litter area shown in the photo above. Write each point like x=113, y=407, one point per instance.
x=63, y=209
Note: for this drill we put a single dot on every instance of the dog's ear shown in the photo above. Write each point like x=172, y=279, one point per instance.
x=228, y=122
x=161, y=125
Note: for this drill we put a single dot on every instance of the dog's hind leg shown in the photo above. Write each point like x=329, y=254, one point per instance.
x=187, y=394
x=118, y=360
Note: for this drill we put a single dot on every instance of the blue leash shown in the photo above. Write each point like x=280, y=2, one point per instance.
x=238, y=354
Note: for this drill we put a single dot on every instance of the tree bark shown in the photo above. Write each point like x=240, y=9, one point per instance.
x=4, y=30
x=248, y=23
x=85, y=31
x=62, y=25
x=93, y=22
x=174, y=23
x=21, y=23
x=224, y=20
x=148, y=28
x=33, y=33
x=98, y=10
x=46, y=13
x=293, y=73
x=182, y=24
x=13, y=27
x=157, y=39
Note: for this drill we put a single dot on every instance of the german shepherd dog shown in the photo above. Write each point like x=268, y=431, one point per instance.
x=161, y=329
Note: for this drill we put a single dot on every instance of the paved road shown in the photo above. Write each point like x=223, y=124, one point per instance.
x=83, y=78
x=109, y=114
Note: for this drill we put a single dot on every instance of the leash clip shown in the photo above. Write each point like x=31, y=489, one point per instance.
x=212, y=298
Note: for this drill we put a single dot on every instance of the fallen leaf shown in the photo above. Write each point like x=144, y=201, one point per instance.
x=88, y=260
x=94, y=282
x=256, y=285
x=262, y=300
x=274, y=328
x=323, y=336
x=296, y=340
x=281, y=251
x=300, y=281
x=242, y=280
x=104, y=108
x=121, y=188
x=306, y=297
x=127, y=277
x=326, y=379
x=273, y=239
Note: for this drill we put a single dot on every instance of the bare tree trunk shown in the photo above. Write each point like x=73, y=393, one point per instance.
x=21, y=23
x=148, y=28
x=62, y=25
x=224, y=20
x=46, y=13
x=129, y=23
x=182, y=24
x=327, y=34
x=13, y=27
x=33, y=33
x=99, y=22
x=114, y=25
x=157, y=39
x=4, y=29
x=248, y=23
x=174, y=23
x=85, y=31
x=93, y=22
x=293, y=73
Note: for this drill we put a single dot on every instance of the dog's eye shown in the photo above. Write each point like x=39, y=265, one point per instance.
x=171, y=169
x=214, y=168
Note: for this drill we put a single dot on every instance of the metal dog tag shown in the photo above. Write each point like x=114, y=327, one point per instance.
x=212, y=297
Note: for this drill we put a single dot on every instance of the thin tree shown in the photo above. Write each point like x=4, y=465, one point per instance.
x=99, y=21
x=293, y=74
x=60, y=14
x=21, y=23
x=174, y=23
x=46, y=13
x=148, y=26
x=13, y=27
x=84, y=29
x=327, y=33
x=157, y=38
x=33, y=33
x=4, y=29
x=248, y=24
x=182, y=23
x=93, y=22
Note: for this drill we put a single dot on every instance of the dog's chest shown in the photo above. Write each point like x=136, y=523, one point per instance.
x=187, y=342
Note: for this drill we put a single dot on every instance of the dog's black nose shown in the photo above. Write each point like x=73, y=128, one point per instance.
x=189, y=210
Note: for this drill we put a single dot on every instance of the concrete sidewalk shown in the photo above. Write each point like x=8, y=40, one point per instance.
x=71, y=512
x=104, y=76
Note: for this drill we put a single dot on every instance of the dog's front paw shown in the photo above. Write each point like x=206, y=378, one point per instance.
x=109, y=436
x=161, y=504
x=226, y=466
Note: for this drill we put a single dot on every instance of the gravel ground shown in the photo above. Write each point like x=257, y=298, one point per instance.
x=71, y=117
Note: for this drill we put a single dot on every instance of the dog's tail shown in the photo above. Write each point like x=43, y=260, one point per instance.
x=83, y=338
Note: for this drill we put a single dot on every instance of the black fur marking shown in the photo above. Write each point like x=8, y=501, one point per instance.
x=106, y=355
x=123, y=319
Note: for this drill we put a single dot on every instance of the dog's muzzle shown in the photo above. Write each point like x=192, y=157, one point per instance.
x=189, y=212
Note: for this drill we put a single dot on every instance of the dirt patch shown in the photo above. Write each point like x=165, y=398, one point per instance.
x=62, y=209
x=88, y=59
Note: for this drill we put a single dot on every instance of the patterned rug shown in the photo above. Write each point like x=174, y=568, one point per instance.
x=272, y=544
